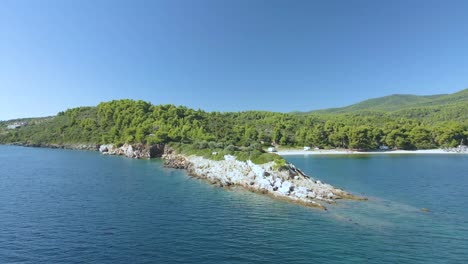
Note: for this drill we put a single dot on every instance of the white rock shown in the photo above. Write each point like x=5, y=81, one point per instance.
x=284, y=189
x=105, y=148
x=128, y=150
x=258, y=170
x=263, y=183
x=300, y=192
x=250, y=175
x=277, y=183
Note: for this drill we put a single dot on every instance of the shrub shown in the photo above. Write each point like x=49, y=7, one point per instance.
x=201, y=145
x=280, y=164
x=230, y=148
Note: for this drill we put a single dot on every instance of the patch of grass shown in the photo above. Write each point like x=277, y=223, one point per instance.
x=280, y=164
x=257, y=156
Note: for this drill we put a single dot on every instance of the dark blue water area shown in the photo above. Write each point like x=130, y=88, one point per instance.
x=60, y=206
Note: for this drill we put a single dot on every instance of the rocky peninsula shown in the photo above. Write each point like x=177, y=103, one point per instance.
x=286, y=182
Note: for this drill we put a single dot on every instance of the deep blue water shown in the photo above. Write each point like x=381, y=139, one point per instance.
x=59, y=206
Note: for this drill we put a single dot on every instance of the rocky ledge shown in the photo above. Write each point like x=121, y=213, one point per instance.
x=288, y=183
x=136, y=151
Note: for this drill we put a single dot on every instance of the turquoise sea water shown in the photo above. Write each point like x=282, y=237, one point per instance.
x=59, y=206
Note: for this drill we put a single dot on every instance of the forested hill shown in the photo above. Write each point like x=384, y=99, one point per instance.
x=402, y=103
x=387, y=103
x=433, y=121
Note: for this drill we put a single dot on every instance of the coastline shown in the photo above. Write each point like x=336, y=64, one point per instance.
x=292, y=152
x=285, y=183
x=71, y=146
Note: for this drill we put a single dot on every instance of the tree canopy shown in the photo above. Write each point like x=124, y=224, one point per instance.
x=129, y=121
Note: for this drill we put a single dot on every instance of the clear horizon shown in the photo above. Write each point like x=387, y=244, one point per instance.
x=227, y=55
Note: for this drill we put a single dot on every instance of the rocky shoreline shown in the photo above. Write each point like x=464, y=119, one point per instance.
x=286, y=183
x=135, y=151
x=93, y=147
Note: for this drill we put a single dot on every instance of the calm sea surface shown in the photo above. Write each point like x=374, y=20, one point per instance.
x=59, y=206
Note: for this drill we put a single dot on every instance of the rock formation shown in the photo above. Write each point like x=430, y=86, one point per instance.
x=288, y=183
x=137, y=151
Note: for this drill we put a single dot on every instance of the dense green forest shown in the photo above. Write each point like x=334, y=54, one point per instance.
x=421, y=123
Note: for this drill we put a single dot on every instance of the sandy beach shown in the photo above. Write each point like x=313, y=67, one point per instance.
x=288, y=152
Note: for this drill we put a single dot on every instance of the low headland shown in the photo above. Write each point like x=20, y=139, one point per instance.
x=277, y=179
x=228, y=149
x=272, y=176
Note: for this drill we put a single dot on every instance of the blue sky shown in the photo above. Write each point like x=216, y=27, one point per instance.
x=227, y=55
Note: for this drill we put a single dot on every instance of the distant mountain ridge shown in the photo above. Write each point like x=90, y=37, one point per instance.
x=401, y=102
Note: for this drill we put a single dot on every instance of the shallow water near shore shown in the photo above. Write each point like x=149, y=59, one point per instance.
x=61, y=206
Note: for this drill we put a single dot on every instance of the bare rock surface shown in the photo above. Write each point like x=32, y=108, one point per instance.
x=287, y=183
x=136, y=151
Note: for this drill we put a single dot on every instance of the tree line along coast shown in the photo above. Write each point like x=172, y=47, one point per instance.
x=247, y=134
x=229, y=149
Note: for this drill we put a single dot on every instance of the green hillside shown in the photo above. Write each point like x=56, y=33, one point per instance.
x=401, y=102
x=458, y=97
x=419, y=122
x=386, y=103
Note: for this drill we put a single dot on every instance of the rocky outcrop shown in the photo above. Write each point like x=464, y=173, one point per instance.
x=288, y=183
x=136, y=151
x=460, y=149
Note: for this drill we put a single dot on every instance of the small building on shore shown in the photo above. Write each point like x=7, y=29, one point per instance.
x=306, y=148
x=383, y=147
